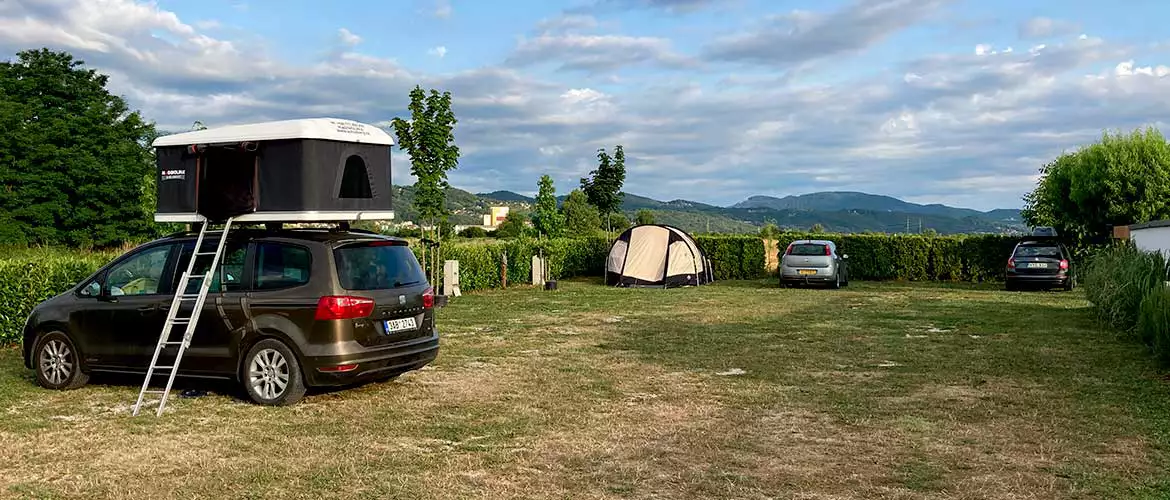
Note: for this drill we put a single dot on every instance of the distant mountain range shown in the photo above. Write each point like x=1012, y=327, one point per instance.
x=835, y=211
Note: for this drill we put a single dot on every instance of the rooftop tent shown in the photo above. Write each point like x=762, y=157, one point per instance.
x=655, y=255
x=317, y=169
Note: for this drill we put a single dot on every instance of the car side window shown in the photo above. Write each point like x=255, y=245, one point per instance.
x=280, y=265
x=141, y=274
x=230, y=277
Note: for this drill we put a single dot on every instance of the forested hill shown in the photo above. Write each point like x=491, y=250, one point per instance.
x=845, y=212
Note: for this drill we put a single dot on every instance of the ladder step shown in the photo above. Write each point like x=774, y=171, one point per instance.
x=205, y=253
x=153, y=392
x=162, y=368
x=173, y=342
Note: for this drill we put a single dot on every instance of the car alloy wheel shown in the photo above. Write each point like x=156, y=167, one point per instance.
x=268, y=374
x=58, y=363
x=271, y=374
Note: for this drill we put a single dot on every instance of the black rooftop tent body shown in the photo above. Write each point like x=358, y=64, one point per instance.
x=317, y=169
x=658, y=256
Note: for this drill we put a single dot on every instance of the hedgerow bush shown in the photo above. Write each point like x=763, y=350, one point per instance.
x=28, y=277
x=1117, y=280
x=734, y=257
x=917, y=258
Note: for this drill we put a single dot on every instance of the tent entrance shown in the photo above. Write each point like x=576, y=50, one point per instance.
x=228, y=181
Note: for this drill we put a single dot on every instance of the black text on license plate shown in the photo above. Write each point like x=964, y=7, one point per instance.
x=1037, y=265
x=398, y=325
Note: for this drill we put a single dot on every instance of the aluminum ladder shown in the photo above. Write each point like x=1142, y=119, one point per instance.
x=174, y=317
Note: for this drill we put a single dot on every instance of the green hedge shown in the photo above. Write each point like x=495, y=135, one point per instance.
x=734, y=257
x=1127, y=288
x=29, y=276
x=918, y=258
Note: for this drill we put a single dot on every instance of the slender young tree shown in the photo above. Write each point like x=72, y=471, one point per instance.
x=603, y=187
x=429, y=138
x=547, y=219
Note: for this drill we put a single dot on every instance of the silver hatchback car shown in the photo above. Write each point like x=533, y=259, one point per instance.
x=813, y=261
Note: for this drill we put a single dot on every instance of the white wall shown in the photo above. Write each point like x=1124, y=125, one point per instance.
x=1151, y=239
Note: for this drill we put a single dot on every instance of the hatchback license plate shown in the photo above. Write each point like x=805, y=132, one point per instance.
x=807, y=271
x=1032, y=265
x=398, y=325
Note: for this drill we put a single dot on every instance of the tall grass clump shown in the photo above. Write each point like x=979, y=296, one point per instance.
x=1153, y=324
x=1118, y=279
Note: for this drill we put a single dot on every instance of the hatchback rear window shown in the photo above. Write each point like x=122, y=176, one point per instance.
x=377, y=266
x=807, y=249
x=1048, y=251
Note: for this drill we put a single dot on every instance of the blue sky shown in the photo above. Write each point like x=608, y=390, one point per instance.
x=934, y=101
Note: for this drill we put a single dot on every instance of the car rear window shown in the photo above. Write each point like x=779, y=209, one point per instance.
x=377, y=266
x=807, y=249
x=1049, y=251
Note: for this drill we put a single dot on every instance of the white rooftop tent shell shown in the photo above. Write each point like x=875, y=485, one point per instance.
x=655, y=255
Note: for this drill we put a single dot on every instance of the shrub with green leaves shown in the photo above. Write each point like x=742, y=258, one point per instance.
x=1118, y=279
x=1153, y=324
x=916, y=257
x=28, y=277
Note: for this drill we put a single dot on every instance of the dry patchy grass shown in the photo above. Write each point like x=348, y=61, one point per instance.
x=738, y=390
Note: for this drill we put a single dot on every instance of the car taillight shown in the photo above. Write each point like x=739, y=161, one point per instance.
x=1063, y=264
x=429, y=298
x=827, y=251
x=1011, y=263
x=788, y=251
x=343, y=307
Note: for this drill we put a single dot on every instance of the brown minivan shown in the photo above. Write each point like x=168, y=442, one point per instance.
x=287, y=309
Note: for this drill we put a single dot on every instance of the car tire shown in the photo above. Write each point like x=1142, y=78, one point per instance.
x=268, y=365
x=57, y=362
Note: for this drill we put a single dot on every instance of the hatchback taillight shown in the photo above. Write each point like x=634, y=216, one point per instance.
x=1011, y=263
x=788, y=251
x=1063, y=264
x=828, y=251
x=344, y=307
x=429, y=298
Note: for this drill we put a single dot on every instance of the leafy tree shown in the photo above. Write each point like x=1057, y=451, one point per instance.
x=547, y=219
x=603, y=187
x=1122, y=179
x=429, y=138
x=644, y=216
x=617, y=221
x=74, y=159
x=515, y=225
x=581, y=218
x=770, y=231
x=473, y=232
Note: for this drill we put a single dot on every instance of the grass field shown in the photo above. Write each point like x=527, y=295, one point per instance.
x=736, y=390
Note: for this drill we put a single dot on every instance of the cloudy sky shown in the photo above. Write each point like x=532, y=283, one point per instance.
x=947, y=101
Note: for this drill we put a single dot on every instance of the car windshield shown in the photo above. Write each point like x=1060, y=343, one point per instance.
x=1047, y=251
x=807, y=249
x=377, y=266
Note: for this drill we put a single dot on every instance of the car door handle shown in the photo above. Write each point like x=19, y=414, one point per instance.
x=148, y=309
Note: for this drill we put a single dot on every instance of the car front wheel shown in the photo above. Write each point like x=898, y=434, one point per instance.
x=272, y=375
x=58, y=363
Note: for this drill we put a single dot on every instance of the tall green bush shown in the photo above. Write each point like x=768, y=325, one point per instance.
x=917, y=258
x=1117, y=280
x=1153, y=324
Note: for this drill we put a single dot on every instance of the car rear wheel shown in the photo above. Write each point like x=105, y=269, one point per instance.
x=272, y=375
x=58, y=363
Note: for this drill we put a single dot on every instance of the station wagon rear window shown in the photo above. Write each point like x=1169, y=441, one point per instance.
x=1046, y=251
x=377, y=266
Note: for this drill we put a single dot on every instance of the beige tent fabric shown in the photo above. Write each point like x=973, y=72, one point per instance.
x=682, y=261
x=700, y=265
x=646, y=259
x=617, y=257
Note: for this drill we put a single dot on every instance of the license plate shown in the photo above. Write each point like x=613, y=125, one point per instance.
x=807, y=271
x=1032, y=265
x=398, y=325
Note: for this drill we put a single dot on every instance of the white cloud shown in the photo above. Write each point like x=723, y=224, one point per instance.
x=439, y=51
x=1045, y=27
x=935, y=127
x=443, y=9
x=348, y=38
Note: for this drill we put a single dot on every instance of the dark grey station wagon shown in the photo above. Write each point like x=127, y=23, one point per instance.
x=287, y=310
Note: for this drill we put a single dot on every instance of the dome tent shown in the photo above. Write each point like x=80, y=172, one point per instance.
x=655, y=255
